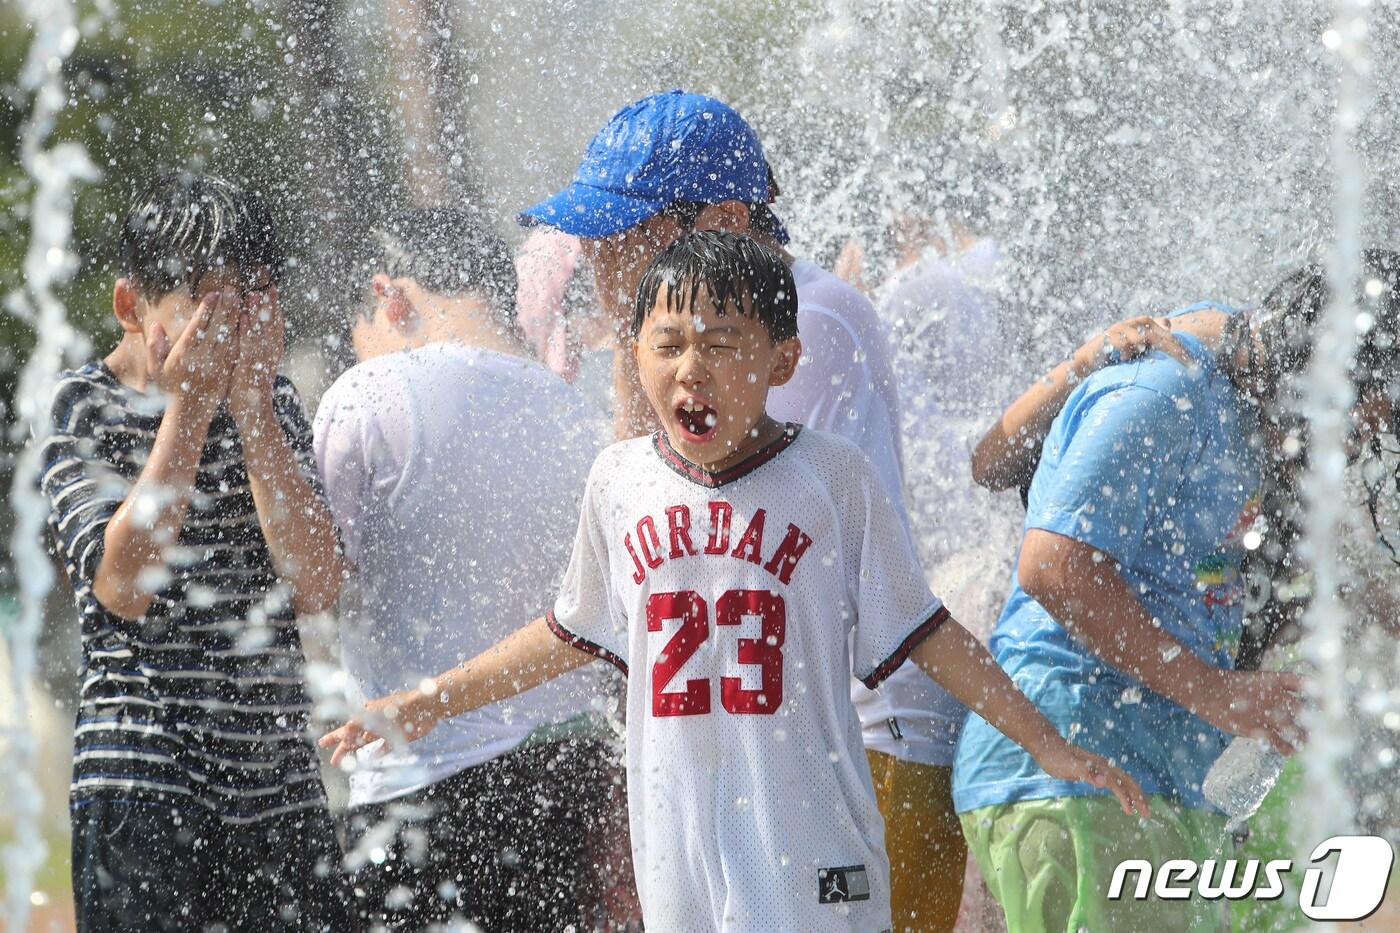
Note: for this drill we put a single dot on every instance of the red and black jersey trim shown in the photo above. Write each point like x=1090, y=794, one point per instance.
x=901, y=654
x=583, y=644
x=698, y=474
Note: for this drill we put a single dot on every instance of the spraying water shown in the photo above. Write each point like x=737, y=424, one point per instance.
x=1329, y=398
x=1141, y=160
x=48, y=264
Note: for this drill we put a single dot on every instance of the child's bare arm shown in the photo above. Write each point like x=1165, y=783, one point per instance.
x=527, y=658
x=964, y=668
x=1084, y=593
x=194, y=377
x=1006, y=455
x=295, y=522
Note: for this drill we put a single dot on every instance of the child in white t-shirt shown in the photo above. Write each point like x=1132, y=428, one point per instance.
x=428, y=447
x=738, y=570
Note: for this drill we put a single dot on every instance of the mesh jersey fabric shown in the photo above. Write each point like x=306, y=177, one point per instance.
x=739, y=603
x=954, y=343
x=846, y=384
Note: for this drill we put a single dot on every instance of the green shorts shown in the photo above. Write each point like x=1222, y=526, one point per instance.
x=1050, y=863
x=1270, y=838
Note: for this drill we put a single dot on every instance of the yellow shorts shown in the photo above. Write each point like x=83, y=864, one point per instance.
x=924, y=840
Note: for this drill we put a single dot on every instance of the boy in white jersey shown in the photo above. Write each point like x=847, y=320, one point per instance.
x=730, y=565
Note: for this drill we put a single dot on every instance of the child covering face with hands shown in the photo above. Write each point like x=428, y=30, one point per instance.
x=186, y=509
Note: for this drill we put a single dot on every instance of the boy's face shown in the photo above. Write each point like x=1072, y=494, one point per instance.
x=707, y=377
x=173, y=311
x=618, y=261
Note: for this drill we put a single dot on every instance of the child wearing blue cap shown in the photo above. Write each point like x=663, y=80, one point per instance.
x=675, y=162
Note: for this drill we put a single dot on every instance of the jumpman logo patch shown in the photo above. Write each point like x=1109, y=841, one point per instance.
x=839, y=885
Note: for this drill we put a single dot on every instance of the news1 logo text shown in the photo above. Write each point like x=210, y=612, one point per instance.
x=1359, y=879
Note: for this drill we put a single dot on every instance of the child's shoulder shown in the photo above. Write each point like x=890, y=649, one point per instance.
x=825, y=449
x=77, y=390
x=622, y=459
x=368, y=372
x=829, y=458
x=86, y=378
x=619, y=469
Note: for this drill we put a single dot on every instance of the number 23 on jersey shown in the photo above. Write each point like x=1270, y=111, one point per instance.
x=765, y=652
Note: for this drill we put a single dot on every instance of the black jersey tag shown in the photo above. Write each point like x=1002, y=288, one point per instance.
x=838, y=885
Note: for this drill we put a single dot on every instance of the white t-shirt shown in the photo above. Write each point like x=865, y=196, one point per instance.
x=846, y=384
x=452, y=473
x=955, y=355
x=739, y=604
x=957, y=349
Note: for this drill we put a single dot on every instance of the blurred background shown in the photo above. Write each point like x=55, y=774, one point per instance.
x=1129, y=156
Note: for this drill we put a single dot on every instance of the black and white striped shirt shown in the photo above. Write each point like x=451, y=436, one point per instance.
x=203, y=698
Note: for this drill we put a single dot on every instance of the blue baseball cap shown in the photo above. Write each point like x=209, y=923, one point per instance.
x=664, y=148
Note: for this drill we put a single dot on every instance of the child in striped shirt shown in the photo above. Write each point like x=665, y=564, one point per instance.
x=186, y=509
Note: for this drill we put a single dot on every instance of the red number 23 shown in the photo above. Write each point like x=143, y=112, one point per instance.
x=766, y=651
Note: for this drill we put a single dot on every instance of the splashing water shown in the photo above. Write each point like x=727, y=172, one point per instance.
x=48, y=264
x=1329, y=398
x=1143, y=160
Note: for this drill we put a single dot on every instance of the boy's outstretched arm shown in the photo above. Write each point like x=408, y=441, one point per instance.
x=965, y=668
x=524, y=659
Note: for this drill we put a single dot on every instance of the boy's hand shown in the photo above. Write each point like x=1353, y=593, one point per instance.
x=261, y=340
x=1069, y=762
x=1260, y=704
x=200, y=364
x=1128, y=340
x=408, y=714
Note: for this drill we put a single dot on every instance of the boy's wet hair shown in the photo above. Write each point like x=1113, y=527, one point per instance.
x=734, y=271
x=185, y=225
x=448, y=251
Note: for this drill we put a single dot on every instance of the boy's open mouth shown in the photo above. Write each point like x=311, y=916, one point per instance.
x=698, y=421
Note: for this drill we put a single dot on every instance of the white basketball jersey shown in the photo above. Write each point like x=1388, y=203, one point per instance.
x=734, y=601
